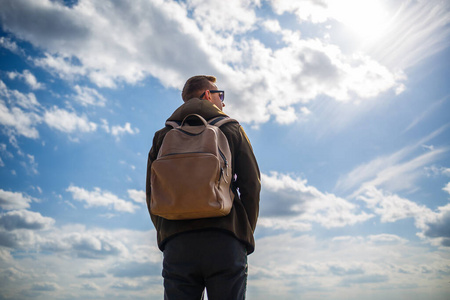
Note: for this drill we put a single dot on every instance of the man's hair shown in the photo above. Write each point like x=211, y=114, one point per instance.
x=196, y=85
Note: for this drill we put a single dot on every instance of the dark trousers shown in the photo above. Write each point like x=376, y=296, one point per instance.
x=211, y=259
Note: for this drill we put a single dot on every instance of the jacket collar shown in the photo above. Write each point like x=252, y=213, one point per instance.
x=196, y=106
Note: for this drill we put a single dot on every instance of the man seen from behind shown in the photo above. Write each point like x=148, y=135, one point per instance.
x=212, y=252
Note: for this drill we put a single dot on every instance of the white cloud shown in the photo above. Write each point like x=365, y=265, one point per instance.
x=27, y=101
x=22, y=113
x=118, y=130
x=298, y=205
x=99, y=198
x=305, y=10
x=272, y=81
x=25, y=219
x=28, y=77
x=235, y=16
x=10, y=45
x=404, y=175
x=138, y=196
x=447, y=188
x=437, y=170
x=62, y=66
x=89, y=245
x=433, y=225
x=437, y=227
x=88, y=96
x=396, y=171
x=66, y=121
x=32, y=165
x=391, y=207
x=423, y=25
x=69, y=255
x=272, y=25
x=18, y=121
x=14, y=200
x=13, y=117
x=343, y=267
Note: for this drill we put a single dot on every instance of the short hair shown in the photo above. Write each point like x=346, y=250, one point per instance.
x=196, y=85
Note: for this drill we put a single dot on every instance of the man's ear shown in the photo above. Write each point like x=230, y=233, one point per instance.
x=208, y=96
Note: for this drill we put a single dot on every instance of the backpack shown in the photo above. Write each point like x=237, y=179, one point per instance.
x=191, y=176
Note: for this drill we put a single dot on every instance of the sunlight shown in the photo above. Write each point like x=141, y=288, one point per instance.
x=366, y=19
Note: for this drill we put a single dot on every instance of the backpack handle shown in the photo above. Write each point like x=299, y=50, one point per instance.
x=196, y=115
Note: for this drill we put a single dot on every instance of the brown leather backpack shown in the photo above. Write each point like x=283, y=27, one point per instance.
x=191, y=176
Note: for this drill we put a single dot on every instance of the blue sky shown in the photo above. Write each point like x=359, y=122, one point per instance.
x=346, y=104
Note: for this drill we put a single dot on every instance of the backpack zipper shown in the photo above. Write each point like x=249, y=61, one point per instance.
x=224, y=160
x=221, y=168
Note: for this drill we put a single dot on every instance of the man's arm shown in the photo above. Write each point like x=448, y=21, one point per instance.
x=248, y=178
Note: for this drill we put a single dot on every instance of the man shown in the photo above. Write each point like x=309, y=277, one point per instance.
x=210, y=252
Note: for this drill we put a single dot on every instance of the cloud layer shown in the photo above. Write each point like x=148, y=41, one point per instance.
x=93, y=42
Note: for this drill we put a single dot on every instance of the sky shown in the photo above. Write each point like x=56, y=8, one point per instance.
x=346, y=104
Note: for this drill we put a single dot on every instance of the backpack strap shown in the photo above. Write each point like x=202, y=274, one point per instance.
x=219, y=121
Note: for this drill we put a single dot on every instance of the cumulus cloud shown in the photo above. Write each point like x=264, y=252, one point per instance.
x=99, y=198
x=334, y=264
x=95, y=256
x=68, y=122
x=89, y=96
x=76, y=241
x=273, y=81
x=28, y=77
x=25, y=219
x=138, y=196
x=14, y=200
x=6, y=43
x=92, y=246
x=298, y=205
x=12, y=113
x=391, y=207
x=236, y=16
x=438, y=226
x=21, y=113
x=18, y=239
x=20, y=122
x=447, y=188
x=118, y=130
x=434, y=225
x=16, y=98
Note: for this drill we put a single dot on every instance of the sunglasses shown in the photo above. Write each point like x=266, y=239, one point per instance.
x=221, y=94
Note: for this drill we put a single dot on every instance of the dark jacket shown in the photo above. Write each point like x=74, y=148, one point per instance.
x=241, y=221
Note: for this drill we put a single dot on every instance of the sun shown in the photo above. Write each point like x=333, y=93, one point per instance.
x=366, y=19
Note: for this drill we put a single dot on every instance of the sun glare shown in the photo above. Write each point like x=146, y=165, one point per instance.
x=366, y=19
